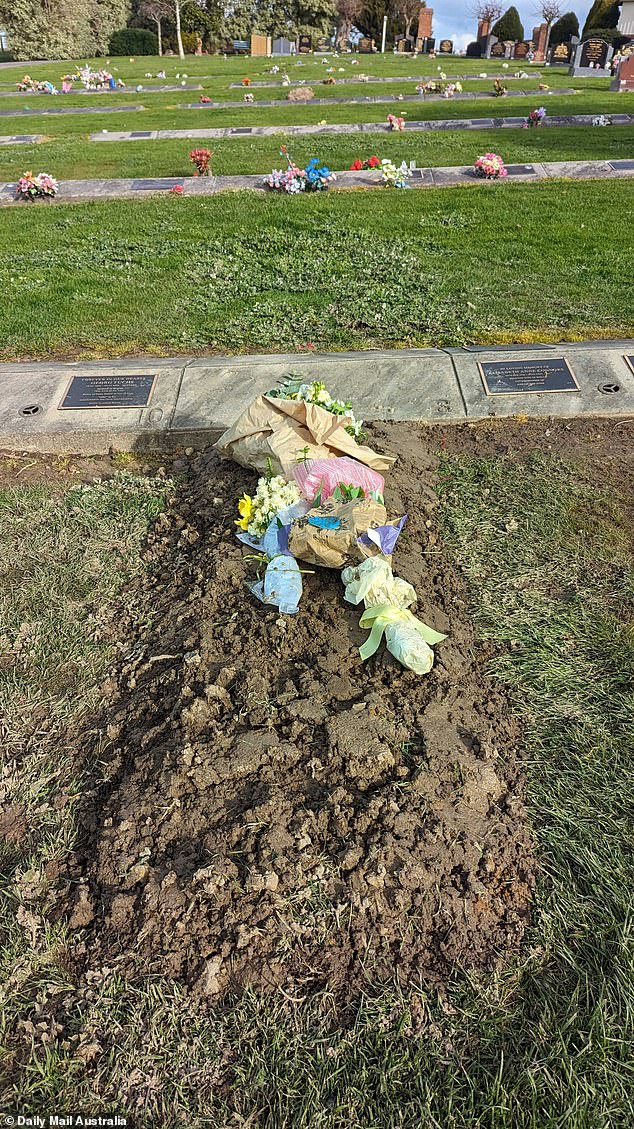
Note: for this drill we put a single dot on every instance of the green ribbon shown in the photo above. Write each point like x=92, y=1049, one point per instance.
x=380, y=617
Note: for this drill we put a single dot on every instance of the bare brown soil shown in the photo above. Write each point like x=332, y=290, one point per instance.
x=268, y=811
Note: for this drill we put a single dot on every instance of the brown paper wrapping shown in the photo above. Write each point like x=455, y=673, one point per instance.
x=285, y=432
x=337, y=548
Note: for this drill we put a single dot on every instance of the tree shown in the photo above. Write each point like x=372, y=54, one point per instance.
x=407, y=11
x=487, y=11
x=549, y=10
x=372, y=16
x=61, y=29
x=603, y=13
x=564, y=29
x=509, y=27
x=348, y=11
x=155, y=11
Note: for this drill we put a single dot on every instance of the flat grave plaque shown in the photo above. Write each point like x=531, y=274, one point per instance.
x=520, y=170
x=108, y=390
x=518, y=378
x=622, y=166
x=242, y=129
x=141, y=134
x=153, y=185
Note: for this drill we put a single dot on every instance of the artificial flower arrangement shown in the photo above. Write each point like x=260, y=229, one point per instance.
x=396, y=124
x=394, y=176
x=451, y=89
x=369, y=163
x=490, y=166
x=499, y=89
x=300, y=94
x=535, y=118
x=246, y=81
x=273, y=494
x=204, y=99
x=602, y=119
x=201, y=159
x=30, y=187
x=317, y=393
x=33, y=86
x=314, y=178
x=248, y=98
x=330, y=81
x=544, y=86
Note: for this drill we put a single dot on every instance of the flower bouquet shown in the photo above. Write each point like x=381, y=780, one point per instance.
x=369, y=163
x=452, y=88
x=602, y=119
x=535, y=118
x=201, y=159
x=245, y=81
x=248, y=98
x=396, y=124
x=394, y=176
x=204, y=99
x=499, y=89
x=30, y=187
x=490, y=166
x=273, y=494
x=314, y=178
x=317, y=393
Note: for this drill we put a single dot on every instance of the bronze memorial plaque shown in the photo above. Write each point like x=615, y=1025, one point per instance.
x=518, y=378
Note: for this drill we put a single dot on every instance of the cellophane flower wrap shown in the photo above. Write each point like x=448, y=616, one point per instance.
x=394, y=176
x=490, y=166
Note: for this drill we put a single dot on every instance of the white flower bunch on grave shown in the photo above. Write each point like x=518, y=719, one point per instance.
x=602, y=119
x=394, y=176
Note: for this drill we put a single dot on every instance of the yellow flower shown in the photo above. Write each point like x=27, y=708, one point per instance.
x=245, y=509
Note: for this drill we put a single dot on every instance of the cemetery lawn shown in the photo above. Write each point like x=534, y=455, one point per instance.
x=536, y=521
x=74, y=158
x=246, y=273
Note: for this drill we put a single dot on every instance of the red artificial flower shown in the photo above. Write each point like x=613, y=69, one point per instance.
x=373, y=163
x=177, y=190
x=356, y=165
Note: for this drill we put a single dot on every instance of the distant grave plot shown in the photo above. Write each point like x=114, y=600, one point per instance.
x=23, y=139
x=104, y=93
x=51, y=110
x=376, y=99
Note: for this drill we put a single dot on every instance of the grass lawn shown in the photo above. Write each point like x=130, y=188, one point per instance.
x=72, y=158
x=542, y=1044
x=237, y=272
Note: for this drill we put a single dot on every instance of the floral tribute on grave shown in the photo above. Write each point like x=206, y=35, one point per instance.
x=42, y=186
x=320, y=502
x=490, y=166
x=292, y=180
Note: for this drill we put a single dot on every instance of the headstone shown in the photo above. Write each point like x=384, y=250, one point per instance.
x=521, y=49
x=445, y=47
x=562, y=53
x=305, y=44
x=624, y=80
x=365, y=46
x=402, y=45
x=519, y=378
x=429, y=45
x=105, y=391
x=498, y=51
x=282, y=46
x=323, y=44
x=594, y=51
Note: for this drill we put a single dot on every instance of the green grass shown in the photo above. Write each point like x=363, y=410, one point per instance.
x=238, y=272
x=74, y=159
x=543, y=1044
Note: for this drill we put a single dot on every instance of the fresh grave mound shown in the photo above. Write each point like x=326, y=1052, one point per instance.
x=277, y=813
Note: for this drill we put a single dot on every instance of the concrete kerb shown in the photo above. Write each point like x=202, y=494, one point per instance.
x=231, y=132
x=194, y=398
x=75, y=191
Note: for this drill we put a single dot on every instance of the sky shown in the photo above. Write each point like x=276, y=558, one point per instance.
x=453, y=18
